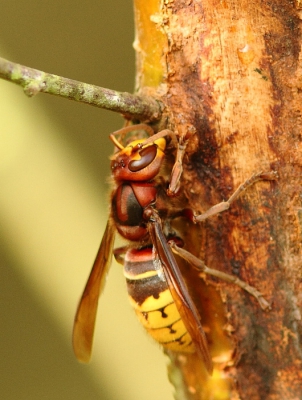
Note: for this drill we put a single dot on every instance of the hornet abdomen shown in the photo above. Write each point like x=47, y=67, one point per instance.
x=152, y=300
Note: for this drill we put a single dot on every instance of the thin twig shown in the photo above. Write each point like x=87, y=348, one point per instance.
x=34, y=81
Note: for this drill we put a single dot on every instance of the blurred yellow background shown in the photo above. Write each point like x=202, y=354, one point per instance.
x=54, y=206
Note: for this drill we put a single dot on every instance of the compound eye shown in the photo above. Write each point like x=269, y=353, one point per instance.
x=147, y=156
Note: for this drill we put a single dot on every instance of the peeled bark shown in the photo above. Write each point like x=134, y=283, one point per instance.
x=232, y=71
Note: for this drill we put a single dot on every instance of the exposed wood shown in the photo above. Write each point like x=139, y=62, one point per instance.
x=232, y=71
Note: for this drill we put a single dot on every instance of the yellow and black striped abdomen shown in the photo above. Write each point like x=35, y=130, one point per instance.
x=151, y=298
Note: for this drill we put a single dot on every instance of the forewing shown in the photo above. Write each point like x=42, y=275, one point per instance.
x=184, y=303
x=83, y=328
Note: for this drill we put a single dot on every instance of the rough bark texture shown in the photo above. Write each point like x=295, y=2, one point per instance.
x=232, y=70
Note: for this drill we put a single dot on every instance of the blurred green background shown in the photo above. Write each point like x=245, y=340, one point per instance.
x=53, y=208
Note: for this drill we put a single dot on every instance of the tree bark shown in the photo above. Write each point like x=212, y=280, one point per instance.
x=232, y=71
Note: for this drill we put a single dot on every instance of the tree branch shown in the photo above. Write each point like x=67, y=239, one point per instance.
x=33, y=81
